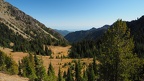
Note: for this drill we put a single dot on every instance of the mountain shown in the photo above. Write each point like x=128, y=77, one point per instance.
x=137, y=31
x=24, y=33
x=87, y=48
x=91, y=34
x=62, y=32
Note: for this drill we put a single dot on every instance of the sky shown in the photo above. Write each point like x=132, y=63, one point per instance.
x=80, y=14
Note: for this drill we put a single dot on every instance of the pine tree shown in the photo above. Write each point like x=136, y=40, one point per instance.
x=117, y=59
x=90, y=73
x=60, y=78
x=51, y=73
x=78, y=71
x=20, y=69
x=69, y=75
x=51, y=70
x=2, y=61
x=95, y=66
x=7, y=64
x=28, y=70
x=64, y=75
x=40, y=70
x=85, y=77
x=47, y=51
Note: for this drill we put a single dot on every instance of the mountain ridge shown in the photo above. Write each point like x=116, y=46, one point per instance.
x=24, y=33
x=90, y=34
x=20, y=22
x=62, y=32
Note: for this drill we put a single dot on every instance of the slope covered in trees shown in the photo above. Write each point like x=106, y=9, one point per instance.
x=25, y=25
x=116, y=53
x=137, y=31
x=24, y=33
x=13, y=40
x=91, y=34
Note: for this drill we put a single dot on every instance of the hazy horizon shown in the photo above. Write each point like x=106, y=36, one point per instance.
x=75, y=15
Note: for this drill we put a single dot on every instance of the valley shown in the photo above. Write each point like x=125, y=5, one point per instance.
x=58, y=51
x=32, y=51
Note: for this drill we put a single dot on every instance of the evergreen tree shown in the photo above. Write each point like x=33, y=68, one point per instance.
x=78, y=71
x=2, y=61
x=28, y=70
x=64, y=75
x=47, y=51
x=69, y=75
x=7, y=64
x=20, y=69
x=60, y=78
x=118, y=63
x=51, y=70
x=40, y=70
x=90, y=73
x=95, y=66
x=85, y=77
x=51, y=73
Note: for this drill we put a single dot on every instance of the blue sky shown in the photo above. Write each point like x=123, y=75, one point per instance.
x=80, y=14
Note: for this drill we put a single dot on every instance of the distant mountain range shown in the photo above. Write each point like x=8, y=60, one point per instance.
x=62, y=32
x=92, y=34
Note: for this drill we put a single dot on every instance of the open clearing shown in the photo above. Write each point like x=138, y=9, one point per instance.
x=57, y=51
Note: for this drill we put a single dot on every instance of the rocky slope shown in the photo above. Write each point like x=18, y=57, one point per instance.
x=25, y=25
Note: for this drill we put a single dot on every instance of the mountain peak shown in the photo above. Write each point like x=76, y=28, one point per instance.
x=93, y=28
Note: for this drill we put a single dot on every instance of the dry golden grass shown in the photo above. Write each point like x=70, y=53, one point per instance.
x=57, y=51
x=5, y=77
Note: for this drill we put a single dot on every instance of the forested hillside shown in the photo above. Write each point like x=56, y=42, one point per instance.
x=92, y=34
x=24, y=33
x=137, y=31
x=116, y=51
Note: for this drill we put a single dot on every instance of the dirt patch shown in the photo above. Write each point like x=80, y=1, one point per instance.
x=5, y=77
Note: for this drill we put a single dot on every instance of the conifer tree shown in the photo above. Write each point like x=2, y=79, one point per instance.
x=90, y=73
x=69, y=75
x=28, y=69
x=95, y=66
x=40, y=70
x=60, y=78
x=47, y=51
x=117, y=59
x=20, y=69
x=51, y=70
x=7, y=64
x=64, y=75
x=85, y=77
x=78, y=71
x=51, y=73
